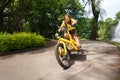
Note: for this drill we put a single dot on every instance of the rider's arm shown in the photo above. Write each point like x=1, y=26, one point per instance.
x=73, y=21
x=62, y=25
x=60, y=29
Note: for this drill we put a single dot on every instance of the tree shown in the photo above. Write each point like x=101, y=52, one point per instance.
x=106, y=28
x=84, y=26
x=96, y=9
x=118, y=15
x=46, y=18
x=3, y=4
x=40, y=16
x=11, y=12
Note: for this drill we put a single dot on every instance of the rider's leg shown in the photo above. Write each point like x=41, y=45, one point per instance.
x=75, y=37
x=66, y=36
x=77, y=40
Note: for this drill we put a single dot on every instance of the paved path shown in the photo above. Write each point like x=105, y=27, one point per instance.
x=100, y=63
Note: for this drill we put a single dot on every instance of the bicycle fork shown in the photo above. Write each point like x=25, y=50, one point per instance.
x=64, y=46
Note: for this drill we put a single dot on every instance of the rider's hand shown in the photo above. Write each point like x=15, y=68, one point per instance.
x=59, y=30
x=73, y=24
x=75, y=21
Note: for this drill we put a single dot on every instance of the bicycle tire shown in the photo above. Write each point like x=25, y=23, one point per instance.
x=58, y=57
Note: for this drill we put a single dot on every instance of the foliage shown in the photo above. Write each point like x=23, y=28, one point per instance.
x=96, y=10
x=40, y=16
x=19, y=41
x=106, y=28
x=118, y=15
x=44, y=16
x=84, y=26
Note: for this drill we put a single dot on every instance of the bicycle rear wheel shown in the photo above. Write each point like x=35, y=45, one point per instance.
x=63, y=60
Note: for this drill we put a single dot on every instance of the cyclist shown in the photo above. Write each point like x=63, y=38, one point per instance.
x=69, y=23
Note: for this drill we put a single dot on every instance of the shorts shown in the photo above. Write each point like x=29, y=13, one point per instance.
x=73, y=32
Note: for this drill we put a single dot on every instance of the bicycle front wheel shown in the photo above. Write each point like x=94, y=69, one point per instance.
x=63, y=60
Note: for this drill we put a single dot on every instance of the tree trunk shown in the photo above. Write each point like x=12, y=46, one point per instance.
x=1, y=23
x=19, y=24
x=95, y=20
x=2, y=7
x=94, y=34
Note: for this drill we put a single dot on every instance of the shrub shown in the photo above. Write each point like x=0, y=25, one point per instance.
x=20, y=41
x=106, y=27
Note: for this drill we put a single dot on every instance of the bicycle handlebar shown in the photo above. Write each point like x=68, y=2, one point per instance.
x=57, y=35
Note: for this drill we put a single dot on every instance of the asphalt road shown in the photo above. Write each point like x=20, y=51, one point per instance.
x=101, y=62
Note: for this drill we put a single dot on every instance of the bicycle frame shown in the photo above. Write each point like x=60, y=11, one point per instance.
x=70, y=42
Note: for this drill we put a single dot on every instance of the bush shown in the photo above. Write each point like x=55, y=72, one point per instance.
x=106, y=27
x=20, y=41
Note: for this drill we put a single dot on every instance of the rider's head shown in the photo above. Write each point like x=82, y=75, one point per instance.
x=67, y=18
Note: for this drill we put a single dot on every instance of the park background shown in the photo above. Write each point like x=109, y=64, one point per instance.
x=26, y=24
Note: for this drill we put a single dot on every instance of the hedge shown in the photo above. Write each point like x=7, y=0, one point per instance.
x=20, y=41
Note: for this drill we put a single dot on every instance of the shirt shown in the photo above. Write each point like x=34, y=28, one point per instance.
x=68, y=25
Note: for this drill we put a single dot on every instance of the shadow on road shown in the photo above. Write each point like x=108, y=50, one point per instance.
x=78, y=57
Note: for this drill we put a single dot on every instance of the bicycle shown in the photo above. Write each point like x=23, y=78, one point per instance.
x=63, y=50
